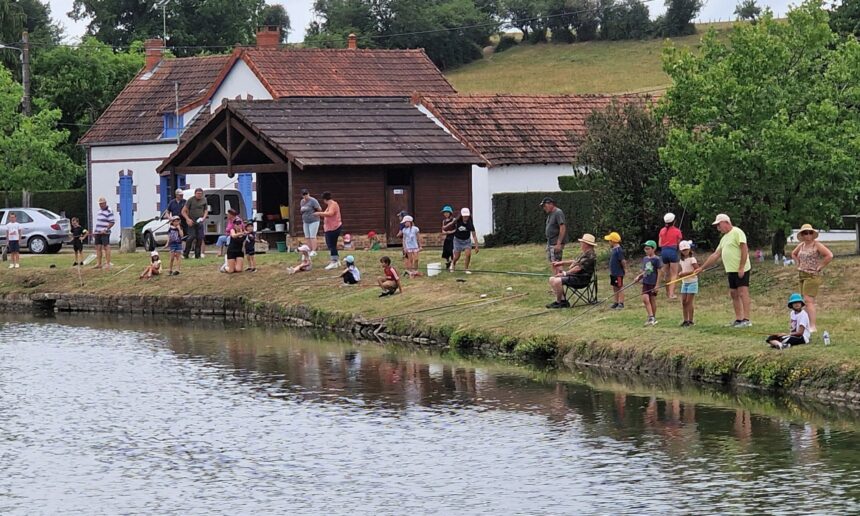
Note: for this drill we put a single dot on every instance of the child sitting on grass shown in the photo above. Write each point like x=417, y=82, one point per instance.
x=689, y=281
x=351, y=275
x=175, y=235
x=650, y=276
x=305, y=263
x=798, y=326
x=617, y=269
x=373, y=242
x=389, y=282
x=154, y=267
x=411, y=245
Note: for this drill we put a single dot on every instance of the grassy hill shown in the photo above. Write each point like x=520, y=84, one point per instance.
x=591, y=67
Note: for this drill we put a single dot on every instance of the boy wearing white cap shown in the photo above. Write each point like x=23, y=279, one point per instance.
x=735, y=254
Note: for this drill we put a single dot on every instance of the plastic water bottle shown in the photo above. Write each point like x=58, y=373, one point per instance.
x=826, y=337
x=776, y=259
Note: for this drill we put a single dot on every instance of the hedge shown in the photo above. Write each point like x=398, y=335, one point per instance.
x=519, y=219
x=71, y=202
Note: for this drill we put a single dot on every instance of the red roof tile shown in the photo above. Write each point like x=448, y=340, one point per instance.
x=136, y=115
x=519, y=129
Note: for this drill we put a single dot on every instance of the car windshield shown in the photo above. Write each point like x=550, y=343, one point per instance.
x=49, y=214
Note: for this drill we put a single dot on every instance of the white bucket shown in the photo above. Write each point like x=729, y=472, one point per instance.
x=280, y=227
x=433, y=269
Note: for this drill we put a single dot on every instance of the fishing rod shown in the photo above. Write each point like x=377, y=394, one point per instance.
x=512, y=273
x=442, y=307
x=483, y=303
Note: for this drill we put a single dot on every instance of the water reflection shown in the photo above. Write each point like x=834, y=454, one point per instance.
x=320, y=425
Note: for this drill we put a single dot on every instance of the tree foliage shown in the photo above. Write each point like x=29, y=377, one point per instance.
x=629, y=19
x=29, y=152
x=678, y=19
x=619, y=163
x=192, y=25
x=748, y=10
x=845, y=18
x=765, y=126
x=276, y=16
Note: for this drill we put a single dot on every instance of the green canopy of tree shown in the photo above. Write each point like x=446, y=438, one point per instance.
x=765, y=125
x=748, y=10
x=276, y=16
x=678, y=19
x=435, y=25
x=845, y=18
x=29, y=153
x=81, y=82
x=193, y=26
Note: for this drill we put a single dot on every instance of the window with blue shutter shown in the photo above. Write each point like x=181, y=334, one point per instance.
x=172, y=126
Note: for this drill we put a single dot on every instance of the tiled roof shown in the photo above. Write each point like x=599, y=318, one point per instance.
x=346, y=73
x=341, y=131
x=136, y=115
x=520, y=129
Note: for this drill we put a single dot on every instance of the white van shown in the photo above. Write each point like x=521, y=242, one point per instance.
x=154, y=233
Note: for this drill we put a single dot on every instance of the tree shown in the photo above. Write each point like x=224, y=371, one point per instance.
x=81, y=82
x=678, y=20
x=276, y=16
x=29, y=157
x=627, y=20
x=748, y=10
x=623, y=171
x=765, y=125
x=845, y=18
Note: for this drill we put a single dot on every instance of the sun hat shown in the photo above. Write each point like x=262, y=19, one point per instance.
x=613, y=237
x=465, y=212
x=795, y=298
x=102, y=200
x=347, y=238
x=589, y=239
x=650, y=243
x=350, y=259
x=447, y=208
x=407, y=218
x=154, y=253
x=722, y=217
x=669, y=218
x=684, y=245
x=547, y=200
x=808, y=227
x=303, y=248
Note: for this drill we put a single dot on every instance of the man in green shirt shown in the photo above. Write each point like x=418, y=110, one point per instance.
x=195, y=212
x=736, y=260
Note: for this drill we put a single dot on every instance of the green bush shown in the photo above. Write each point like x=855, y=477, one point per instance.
x=505, y=43
x=10, y=199
x=519, y=219
x=72, y=203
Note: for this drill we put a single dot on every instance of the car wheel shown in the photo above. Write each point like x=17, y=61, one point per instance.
x=55, y=248
x=37, y=245
x=149, y=242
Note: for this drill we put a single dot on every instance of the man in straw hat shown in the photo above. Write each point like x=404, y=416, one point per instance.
x=735, y=254
x=579, y=273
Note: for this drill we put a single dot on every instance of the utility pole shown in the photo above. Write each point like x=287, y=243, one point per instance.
x=25, y=73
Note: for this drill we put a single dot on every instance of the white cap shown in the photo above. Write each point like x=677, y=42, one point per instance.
x=465, y=212
x=669, y=218
x=178, y=191
x=722, y=217
x=684, y=245
x=304, y=248
x=154, y=253
x=407, y=218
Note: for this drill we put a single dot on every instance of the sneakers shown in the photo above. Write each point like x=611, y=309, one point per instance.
x=687, y=324
x=745, y=323
x=11, y=265
x=312, y=254
x=332, y=265
x=387, y=293
x=559, y=304
x=652, y=321
x=174, y=273
x=613, y=306
x=780, y=345
x=617, y=306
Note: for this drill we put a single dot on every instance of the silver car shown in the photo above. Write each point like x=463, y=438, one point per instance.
x=42, y=231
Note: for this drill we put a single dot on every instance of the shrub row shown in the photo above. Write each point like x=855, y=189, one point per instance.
x=519, y=219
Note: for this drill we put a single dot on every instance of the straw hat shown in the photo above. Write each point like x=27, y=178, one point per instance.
x=589, y=239
x=808, y=227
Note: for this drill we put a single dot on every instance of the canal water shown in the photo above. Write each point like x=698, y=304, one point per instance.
x=130, y=416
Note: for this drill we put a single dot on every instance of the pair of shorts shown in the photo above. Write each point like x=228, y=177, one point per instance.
x=175, y=247
x=349, y=279
x=77, y=245
x=616, y=281
x=649, y=290
x=552, y=255
x=809, y=284
x=311, y=229
x=102, y=239
x=461, y=245
x=690, y=288
x=410, y=250
x=232, y=255
x=736, y=282
x=13, y=246
x=250, y=252
x=669, y=254
x=575, y=281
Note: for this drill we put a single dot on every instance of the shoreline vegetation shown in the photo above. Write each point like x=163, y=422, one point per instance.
x=447, y=313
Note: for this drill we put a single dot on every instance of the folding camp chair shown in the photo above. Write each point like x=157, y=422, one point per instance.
x=585, y=295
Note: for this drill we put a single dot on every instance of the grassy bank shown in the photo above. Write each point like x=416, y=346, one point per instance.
x=591, y=67
x=710, y=350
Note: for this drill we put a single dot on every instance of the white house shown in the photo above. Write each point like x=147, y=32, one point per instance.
x=528, y=141
x=144, y=124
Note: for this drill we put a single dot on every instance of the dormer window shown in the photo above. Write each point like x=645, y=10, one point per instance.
x=172, y=126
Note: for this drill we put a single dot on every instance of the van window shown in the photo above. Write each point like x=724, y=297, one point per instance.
x=232, y=201
x=22, y=216
x=214, y=202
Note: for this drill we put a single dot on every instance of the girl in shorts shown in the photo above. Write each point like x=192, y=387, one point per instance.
x=689, y=281
x=250, y=247
x=411, y=244
x=174, y=244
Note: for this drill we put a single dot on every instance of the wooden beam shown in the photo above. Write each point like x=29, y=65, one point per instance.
x=268, y=168
x=202, y=144
x=229, y=152
x=263, y=146
x=223, y=151
x=239, y=148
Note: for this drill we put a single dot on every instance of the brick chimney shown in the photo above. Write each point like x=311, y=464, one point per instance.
x=154, y=52
x=352, y=42
x=269, y=37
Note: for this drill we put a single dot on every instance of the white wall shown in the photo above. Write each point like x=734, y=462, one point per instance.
x=240, y=81
x=507, y=179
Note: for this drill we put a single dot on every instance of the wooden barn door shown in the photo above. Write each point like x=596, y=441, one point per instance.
x=398, y=197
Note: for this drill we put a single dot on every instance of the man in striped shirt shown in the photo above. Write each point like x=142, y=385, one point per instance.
x=105, y=220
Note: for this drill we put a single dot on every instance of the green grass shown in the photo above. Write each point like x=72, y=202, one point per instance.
x=591, y=67
x=600, y=336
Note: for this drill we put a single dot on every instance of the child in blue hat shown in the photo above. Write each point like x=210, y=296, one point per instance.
x=351, y=275
x=799, y=326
